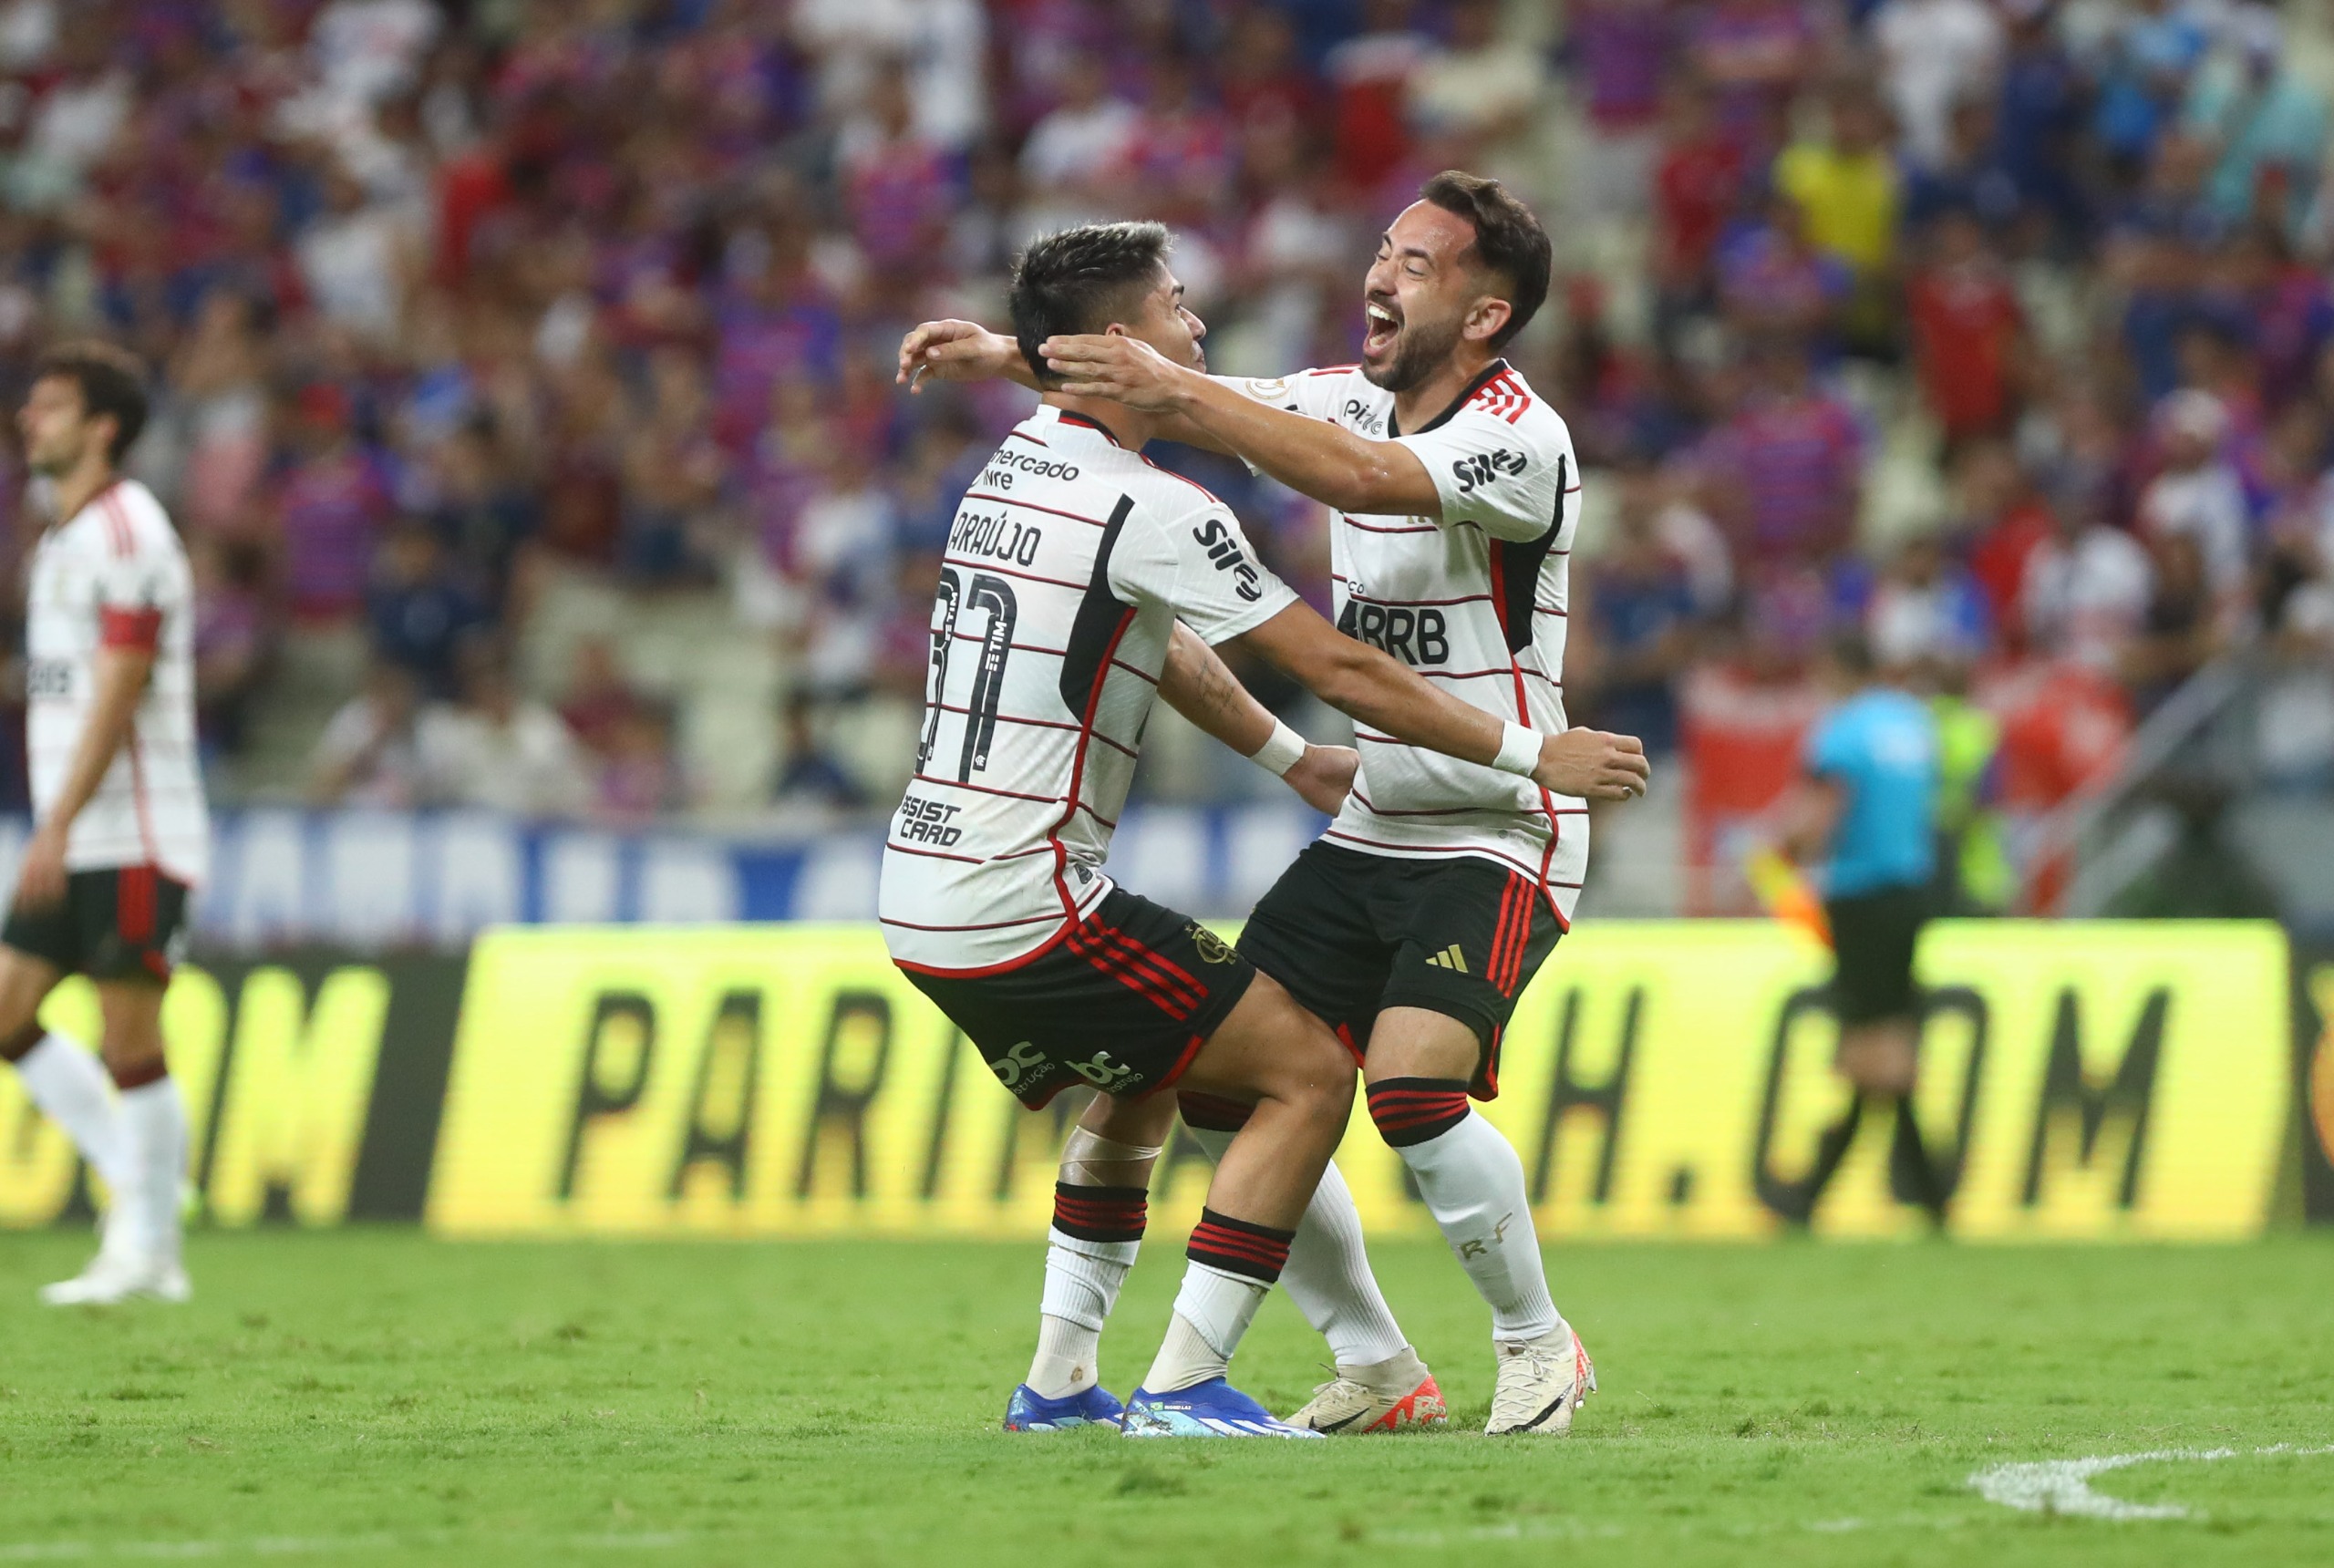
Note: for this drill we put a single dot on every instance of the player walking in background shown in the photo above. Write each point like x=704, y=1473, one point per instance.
x=1867, y=813
x=120, y=834
x=1441, y=887
x=1069, y=566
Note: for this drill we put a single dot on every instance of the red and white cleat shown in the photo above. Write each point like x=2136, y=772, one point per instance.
x=1390, y=1396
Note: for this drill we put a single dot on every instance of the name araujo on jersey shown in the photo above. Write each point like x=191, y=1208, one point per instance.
x=1475, y=601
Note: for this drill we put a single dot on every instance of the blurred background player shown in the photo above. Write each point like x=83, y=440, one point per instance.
x=1434, y=897
x=1075, y=578
x=1867, y=810
x=121, y=833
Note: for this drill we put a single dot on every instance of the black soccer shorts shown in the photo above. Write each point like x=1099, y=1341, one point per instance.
x=119, y=923
x=1874, y=935
x=1122, y=1001
x=1351, y=934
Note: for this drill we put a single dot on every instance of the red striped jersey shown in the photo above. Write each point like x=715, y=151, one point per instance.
x=1068, y=565
x=1475, y=602
x=114, y=574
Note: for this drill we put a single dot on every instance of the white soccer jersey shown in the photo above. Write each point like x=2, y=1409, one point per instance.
x=115, y=575
x=1475, y=602
x=1068, y=564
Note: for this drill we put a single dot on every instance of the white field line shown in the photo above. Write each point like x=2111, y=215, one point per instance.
x=316, y=1545
x=2063, y=1486
x=2018, y=1486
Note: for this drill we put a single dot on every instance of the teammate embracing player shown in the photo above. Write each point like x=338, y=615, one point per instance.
x=1076, y=577
x=121, y=833
x=1440, y=887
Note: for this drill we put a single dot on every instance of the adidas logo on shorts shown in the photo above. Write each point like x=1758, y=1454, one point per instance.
x=1450, y=958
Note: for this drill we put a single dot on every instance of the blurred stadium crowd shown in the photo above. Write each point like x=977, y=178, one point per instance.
x=526, y=364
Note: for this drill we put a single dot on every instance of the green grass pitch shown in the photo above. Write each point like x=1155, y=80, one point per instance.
x=377, y=1397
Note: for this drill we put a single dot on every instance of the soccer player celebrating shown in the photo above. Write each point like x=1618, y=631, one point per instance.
x=1440, y=887
x=1075, y=578
x=121, y=833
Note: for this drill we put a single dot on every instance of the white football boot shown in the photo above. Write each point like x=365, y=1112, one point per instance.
x=122, y=1270
x=114, y=1276
x=1395, y=1393
x=1541, y=1385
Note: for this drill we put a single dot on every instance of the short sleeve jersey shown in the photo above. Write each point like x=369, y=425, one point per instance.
x=1880, y=747
x=1475, y=601
x=115, y=575
x=1068, y=565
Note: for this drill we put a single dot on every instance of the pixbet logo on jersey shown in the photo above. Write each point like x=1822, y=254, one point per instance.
x=1484, y=467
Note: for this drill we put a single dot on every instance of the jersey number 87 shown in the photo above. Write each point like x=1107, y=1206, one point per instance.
x=995, y=596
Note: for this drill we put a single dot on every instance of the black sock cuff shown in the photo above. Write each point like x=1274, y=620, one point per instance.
x=1100, y=1213
x=1410, y=1110
x=1240, y=1247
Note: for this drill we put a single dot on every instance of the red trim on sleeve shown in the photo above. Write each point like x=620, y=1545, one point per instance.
x=138, y=629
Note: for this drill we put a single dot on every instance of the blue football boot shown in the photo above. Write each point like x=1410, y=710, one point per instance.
x=1030, y=1412
x=1211, y=1409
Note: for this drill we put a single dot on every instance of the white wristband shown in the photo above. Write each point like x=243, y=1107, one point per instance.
x=1519, y=751
x=1283, y=750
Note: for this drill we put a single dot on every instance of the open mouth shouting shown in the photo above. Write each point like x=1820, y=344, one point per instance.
x=1383, y=326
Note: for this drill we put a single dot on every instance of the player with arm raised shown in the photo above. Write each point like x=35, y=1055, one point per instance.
x=1441, y=887
x=1069, y=565
x=121, y=833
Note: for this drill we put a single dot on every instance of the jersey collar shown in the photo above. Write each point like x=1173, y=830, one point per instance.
x=1064, y=416
x=1483, y=378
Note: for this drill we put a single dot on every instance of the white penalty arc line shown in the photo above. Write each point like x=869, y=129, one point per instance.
x=2063, y=1486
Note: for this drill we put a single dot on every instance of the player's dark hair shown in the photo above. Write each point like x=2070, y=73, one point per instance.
x=1509, y=244
x=1851, y=651
x=1080, y=280
x=112, y=381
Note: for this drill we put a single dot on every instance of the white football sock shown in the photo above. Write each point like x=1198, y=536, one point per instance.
x=1327, y=1275
x=1473, y=1186
x=1213, y=1310
x=72, y=1090
x=153, y=1123
x=1082, y=1281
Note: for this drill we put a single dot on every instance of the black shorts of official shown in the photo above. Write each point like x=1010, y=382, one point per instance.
x=1874, y=936
x=1351, y=934
x=119, y=923
x=1122, y=1001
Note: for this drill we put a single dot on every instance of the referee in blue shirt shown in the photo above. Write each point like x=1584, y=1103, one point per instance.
x=1866, y=813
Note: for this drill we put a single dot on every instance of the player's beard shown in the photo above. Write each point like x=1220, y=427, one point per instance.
x=56, y=459
x=1419, y=350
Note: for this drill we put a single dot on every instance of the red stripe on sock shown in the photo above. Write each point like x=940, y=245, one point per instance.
x=1207, y=1238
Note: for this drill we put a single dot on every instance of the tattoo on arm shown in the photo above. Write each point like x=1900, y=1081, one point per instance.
x=1196, y=685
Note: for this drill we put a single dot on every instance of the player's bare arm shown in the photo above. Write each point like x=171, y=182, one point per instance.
x=1197, y=684
x=1383, y=691
x=121, y=676
x=966, y=351
x=960, y=351
x=1325, y=461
